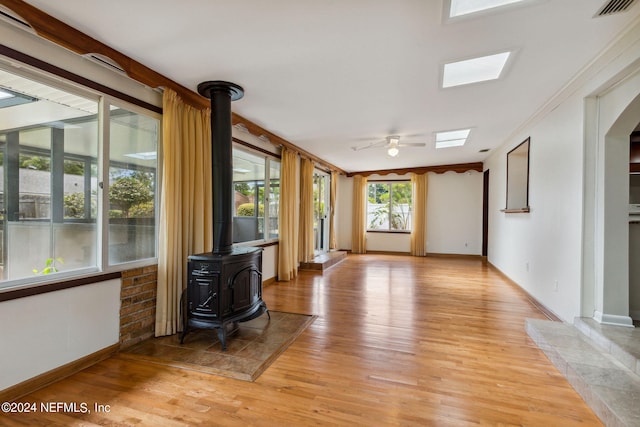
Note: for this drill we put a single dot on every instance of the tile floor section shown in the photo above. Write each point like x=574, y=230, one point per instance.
x=601, y=362
x=250, y=350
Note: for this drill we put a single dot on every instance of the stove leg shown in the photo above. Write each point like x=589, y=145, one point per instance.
x=183, y=315
x=222, y=336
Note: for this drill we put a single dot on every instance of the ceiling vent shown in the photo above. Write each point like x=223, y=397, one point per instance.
x=105, y=61
x=7, y=15
x=614, y=6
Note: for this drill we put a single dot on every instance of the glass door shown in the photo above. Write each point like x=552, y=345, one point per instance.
x=321, y=188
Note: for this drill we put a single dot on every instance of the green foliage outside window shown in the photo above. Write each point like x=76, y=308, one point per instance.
x=128, y=192
x=249, y=209
x=74, y=205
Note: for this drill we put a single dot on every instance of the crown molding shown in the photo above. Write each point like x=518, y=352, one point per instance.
x=458, y=168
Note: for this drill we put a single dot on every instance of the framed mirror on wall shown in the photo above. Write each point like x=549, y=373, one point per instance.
x=518, y=178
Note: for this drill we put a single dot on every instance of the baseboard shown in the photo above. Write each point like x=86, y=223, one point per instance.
x=613, y=319
x=544, y=309
x=368, y=252
x=385, y=253
x=429, y=254
x=634, y=314
x=440, y=255
x=269, y=282
x=29, y=386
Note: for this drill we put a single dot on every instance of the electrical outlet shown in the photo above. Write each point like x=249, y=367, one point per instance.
x=526, y=266
x=555, y=285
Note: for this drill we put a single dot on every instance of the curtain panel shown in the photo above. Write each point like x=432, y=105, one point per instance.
x=185, y=203
x=359, y=219
x=333, y=194
x=419, y=217
x=306, y=246
x=288, y=216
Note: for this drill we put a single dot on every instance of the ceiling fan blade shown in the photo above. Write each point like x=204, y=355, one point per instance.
x=371, y=145
x=412, y=144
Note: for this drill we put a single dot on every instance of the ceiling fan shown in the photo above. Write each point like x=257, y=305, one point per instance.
x=391, y=143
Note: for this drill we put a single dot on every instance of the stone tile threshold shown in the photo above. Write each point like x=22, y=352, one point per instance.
x=601, y=362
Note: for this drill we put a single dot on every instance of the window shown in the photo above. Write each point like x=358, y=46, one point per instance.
x=389, y=206
x=51, y=167
x=132, y=182
x=256, y=184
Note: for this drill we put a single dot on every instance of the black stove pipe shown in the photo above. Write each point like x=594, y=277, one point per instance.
x=221, y=94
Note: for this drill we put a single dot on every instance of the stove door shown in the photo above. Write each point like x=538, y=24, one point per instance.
x=204, y=294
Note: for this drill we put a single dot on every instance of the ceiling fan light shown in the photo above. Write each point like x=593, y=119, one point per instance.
x=393, y=151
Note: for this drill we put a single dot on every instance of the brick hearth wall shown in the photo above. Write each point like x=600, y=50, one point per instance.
x=138, y=305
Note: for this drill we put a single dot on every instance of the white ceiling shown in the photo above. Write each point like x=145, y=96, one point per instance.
x=328, y=75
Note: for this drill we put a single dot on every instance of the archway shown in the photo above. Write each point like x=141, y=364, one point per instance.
x=610, y=117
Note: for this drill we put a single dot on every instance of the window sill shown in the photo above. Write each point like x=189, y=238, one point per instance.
x=520, y=210
x=390, y=231
x=258, y=243
x=64, y=283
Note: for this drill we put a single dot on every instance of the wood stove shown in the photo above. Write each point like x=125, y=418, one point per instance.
x=225, y=285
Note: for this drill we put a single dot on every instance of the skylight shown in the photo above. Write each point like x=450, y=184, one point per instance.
x=465, y=7
x=474, y=70
x=10, y=98
x=5, y=95
x=452, y=138
x=148, y=155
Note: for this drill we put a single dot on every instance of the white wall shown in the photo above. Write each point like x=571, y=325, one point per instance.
x=454, y=216
x=43, y=332
x=389, y=242
x=269, y=262
x=542, y=250
x=454, y=213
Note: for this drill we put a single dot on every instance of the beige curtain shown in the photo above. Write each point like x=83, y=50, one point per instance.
x=288, y=217
x=359, y=221
x=306, y=211
x=419, y=217
x=333, y=194
x=185, y=203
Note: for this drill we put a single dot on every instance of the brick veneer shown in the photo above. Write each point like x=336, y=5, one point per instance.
x=138, y=305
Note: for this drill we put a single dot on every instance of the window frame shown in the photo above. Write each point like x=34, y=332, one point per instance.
x=265, y=183
x=104, y=178
x=105, y=97
x=390, y=183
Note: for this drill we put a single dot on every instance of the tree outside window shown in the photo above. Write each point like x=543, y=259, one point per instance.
x=132, y=195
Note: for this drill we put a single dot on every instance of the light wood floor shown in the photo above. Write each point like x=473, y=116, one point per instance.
x=399, y=341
